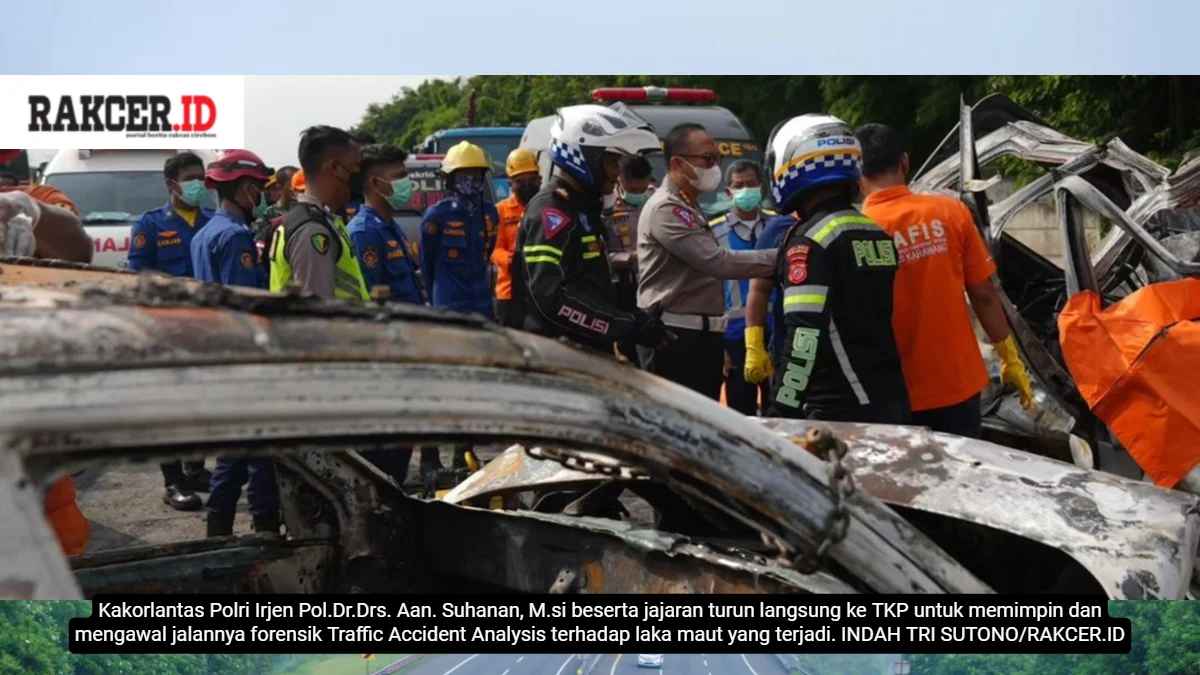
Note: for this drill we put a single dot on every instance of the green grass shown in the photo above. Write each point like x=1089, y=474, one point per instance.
x=342, y=664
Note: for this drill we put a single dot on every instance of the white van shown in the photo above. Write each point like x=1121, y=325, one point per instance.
x=112, y=189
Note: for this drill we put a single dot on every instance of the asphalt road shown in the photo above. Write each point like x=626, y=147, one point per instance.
x=123, y=503
x=609, y=664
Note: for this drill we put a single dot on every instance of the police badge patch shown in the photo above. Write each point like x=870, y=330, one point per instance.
x=370, y=257
x=247, y=260
x=553, y=222
x=685, y=215
x=320, y=243
x=797, y=271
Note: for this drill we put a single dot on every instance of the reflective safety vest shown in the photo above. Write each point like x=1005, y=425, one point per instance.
x=348, y=283
x=736, y=290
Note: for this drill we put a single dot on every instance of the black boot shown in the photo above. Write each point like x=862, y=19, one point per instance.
x=220, y=524
x=197, y=479
x=460, y=460
x=181, y=498
x=266, y=525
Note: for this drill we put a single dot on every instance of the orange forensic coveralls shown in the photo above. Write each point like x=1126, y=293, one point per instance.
x=511, y=210
x=940, y=253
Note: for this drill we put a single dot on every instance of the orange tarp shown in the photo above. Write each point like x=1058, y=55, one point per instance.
x=1137, y=364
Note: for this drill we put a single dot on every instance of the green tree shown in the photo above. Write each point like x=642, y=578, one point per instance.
x=925, y=108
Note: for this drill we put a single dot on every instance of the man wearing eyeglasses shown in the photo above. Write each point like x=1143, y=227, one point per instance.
x=682, y=266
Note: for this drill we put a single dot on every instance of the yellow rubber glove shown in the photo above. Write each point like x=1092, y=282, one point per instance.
x=758, y=362
x=1012, y=371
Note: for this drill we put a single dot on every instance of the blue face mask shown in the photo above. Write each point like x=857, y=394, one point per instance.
x=192, y=192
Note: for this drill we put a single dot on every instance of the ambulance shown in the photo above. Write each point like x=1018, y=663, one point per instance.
x=112, y=189
x=663, y=109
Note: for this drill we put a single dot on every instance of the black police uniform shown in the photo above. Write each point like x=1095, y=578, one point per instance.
x=562, y=282
x=836, y=269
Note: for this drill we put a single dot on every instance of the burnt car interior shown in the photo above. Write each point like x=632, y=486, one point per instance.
x=629, y=529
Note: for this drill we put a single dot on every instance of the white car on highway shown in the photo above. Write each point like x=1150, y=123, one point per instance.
x=650, y=660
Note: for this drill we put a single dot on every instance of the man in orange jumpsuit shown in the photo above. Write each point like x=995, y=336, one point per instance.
x=942, y=262
x=525, y=181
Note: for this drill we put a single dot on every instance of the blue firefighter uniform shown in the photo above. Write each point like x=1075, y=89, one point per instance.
x=224, y=252
x=386, y=256
x=162, y=240
x=455, y=252
x=737, y=235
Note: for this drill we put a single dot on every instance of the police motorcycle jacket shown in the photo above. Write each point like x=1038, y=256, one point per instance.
x=836, y=269
x=562, y=282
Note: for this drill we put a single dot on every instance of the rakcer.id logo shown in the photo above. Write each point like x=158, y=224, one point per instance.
x=138, y=116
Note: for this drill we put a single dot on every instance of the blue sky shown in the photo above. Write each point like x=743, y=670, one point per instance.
x=410, y=37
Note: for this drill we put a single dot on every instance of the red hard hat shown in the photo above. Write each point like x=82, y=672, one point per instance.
x=231, y=165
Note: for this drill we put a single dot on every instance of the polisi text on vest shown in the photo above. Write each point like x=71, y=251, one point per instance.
x=136, y=113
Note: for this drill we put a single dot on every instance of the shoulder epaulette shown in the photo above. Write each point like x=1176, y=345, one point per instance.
x=718, y=220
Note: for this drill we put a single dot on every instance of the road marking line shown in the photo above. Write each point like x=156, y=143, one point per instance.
x=520, y=659
x=705, y=663
x=564, y=665
x=506, y=672
x=460, y=665
x=752, y=671
x=615, y=662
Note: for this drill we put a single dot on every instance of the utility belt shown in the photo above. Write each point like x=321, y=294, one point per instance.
x=700, y=322
x=740, y=312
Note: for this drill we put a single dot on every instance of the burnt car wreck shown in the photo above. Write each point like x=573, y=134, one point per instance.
x=1150, y=234
x=614, y=481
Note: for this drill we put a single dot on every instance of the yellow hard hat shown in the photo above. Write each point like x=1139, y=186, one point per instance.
x=465, y=155
x=520, y=161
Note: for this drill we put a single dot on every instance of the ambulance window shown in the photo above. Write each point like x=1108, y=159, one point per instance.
x=115, y=194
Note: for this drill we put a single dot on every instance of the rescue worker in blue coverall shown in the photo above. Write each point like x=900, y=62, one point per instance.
x=739, y=230
x=457, y=237
x=458, y=233
x=161, y=240
x=388, y=258
x=225, y=253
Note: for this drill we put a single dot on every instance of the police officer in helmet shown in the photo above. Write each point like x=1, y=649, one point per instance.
x=836, y=269
x=560, y=268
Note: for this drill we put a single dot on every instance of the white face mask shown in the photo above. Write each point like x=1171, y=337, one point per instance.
x=706, y=180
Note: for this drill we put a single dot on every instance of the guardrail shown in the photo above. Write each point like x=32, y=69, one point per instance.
x=397, y=665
